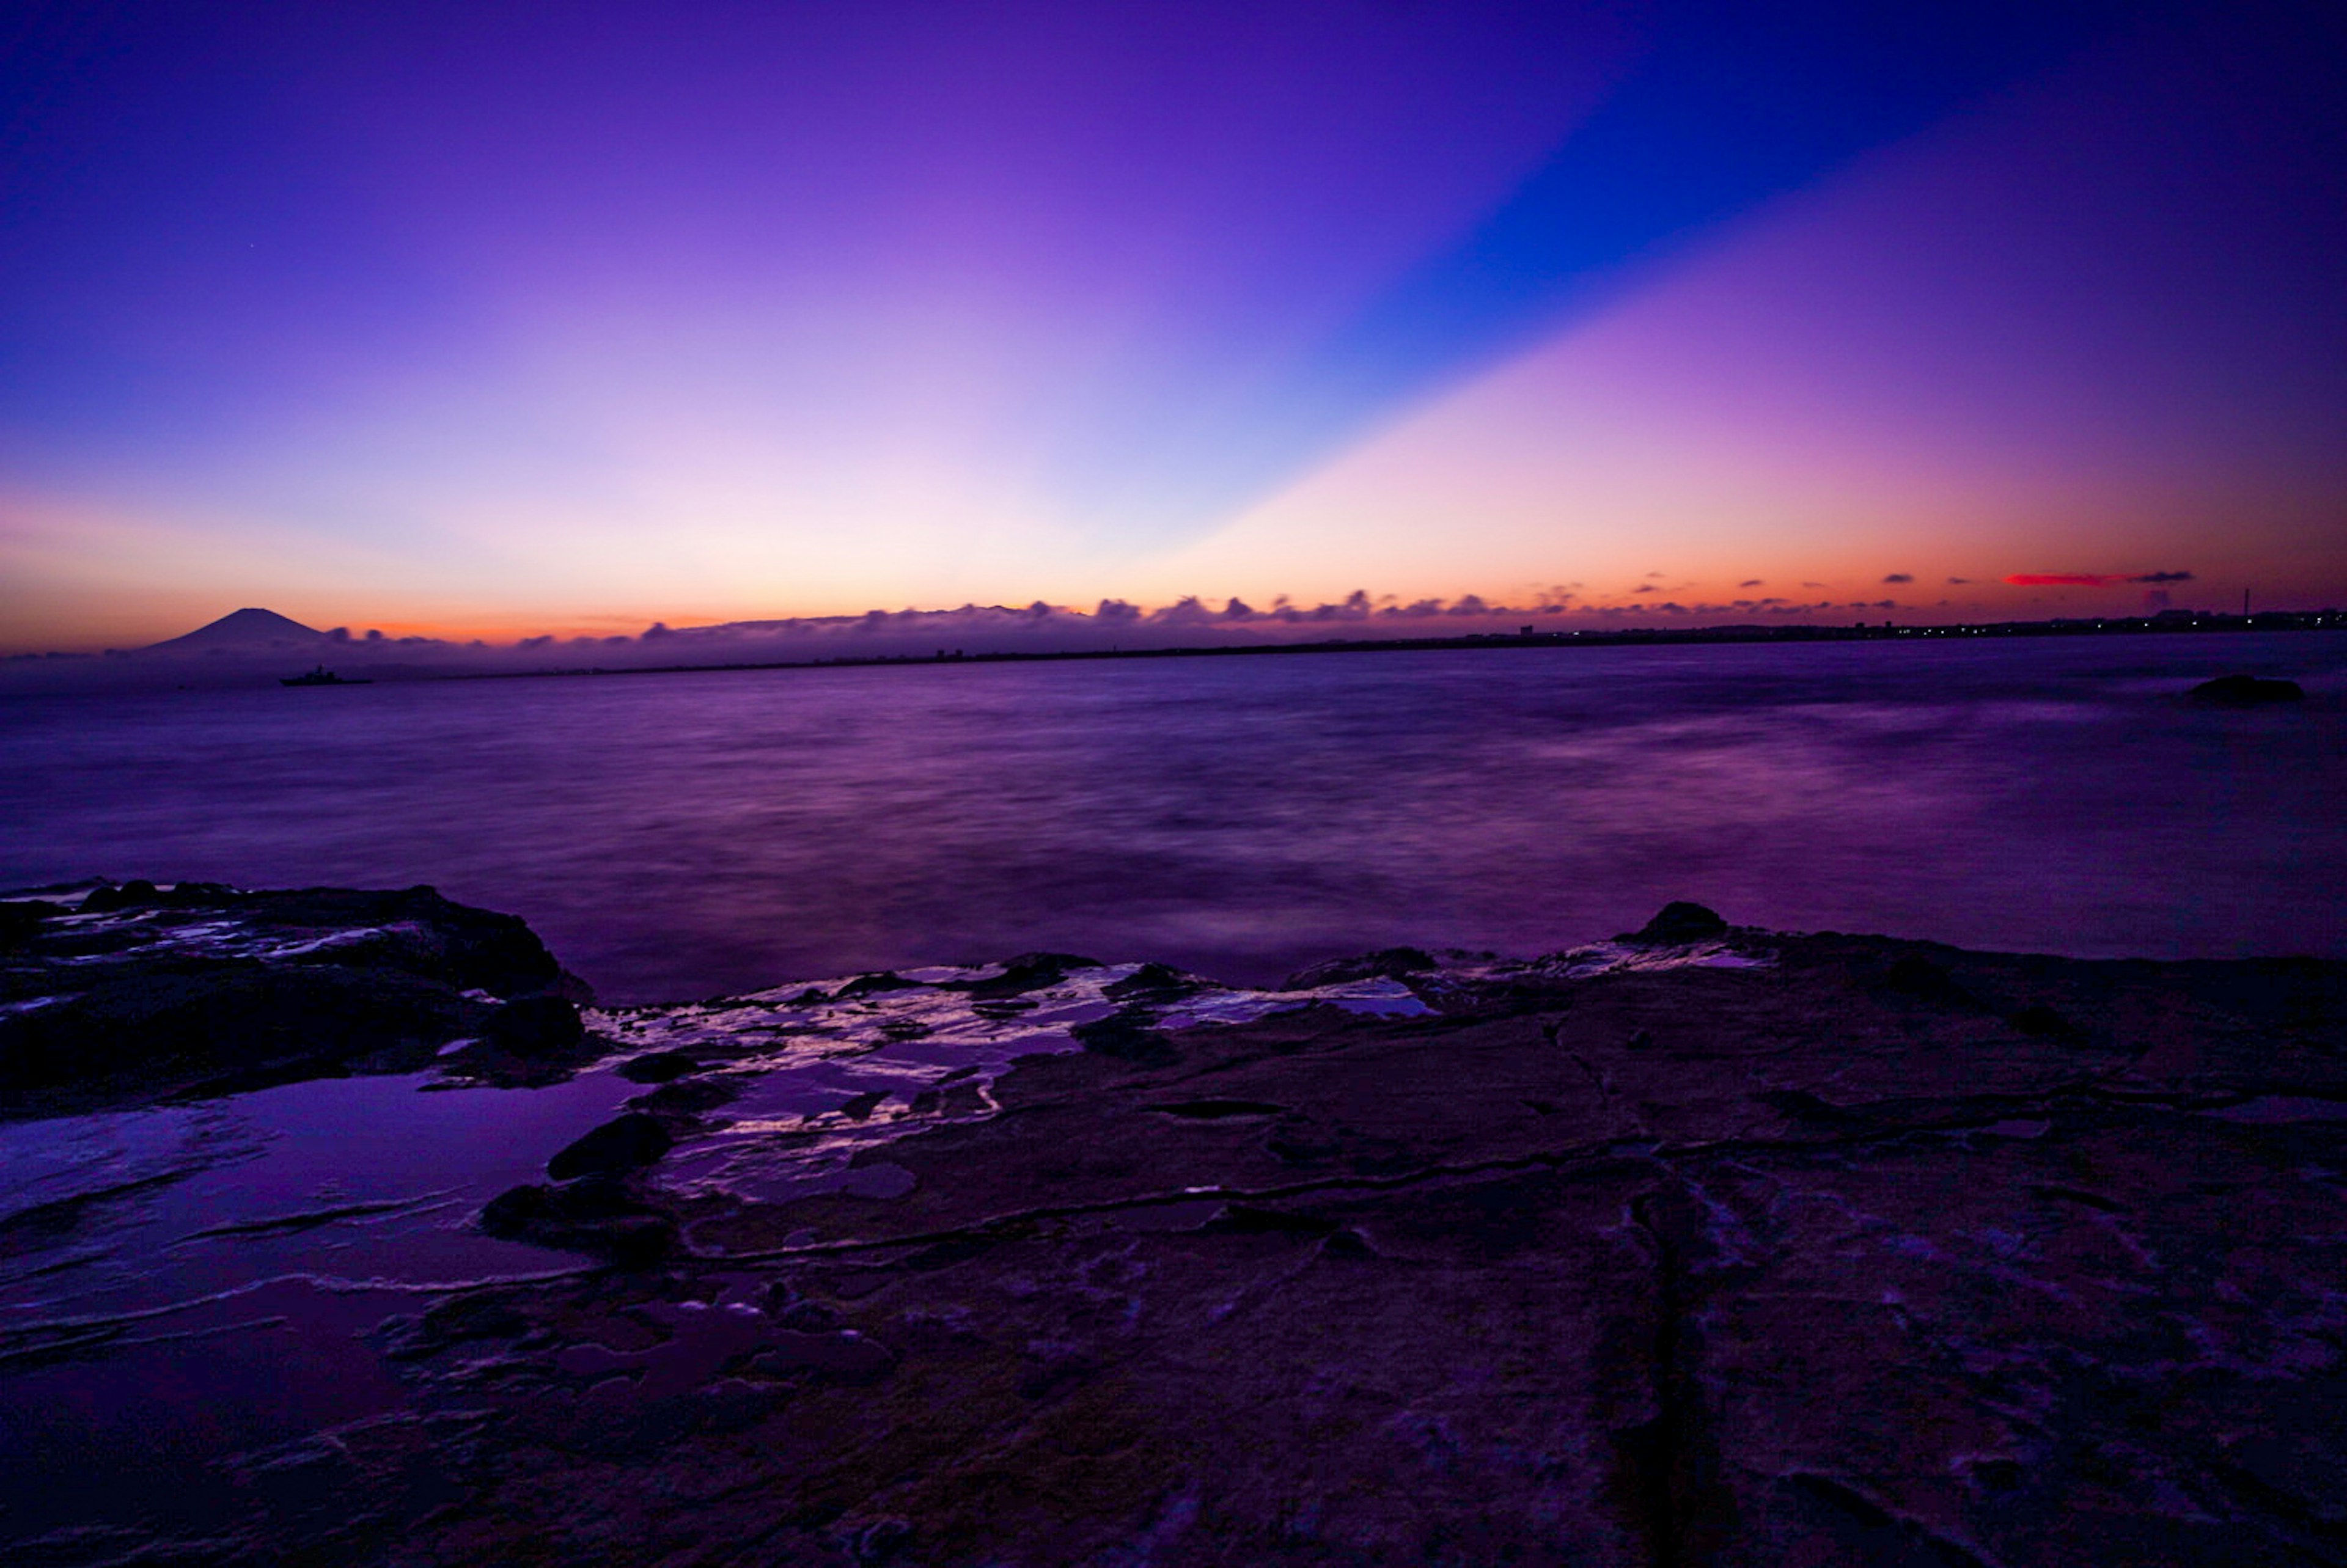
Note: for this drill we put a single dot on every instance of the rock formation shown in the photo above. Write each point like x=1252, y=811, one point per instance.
x=1756, y=1249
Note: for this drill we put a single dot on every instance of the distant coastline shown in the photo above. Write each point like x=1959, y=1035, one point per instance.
x=2167, y=624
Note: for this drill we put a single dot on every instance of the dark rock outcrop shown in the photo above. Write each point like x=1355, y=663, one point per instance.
x=1680, y=921
x=143, y=992
x=685, y=1097
x=599, y=1214
x=1150, y=982
x=1389, y=964
x=129, y=895
x=1027, y=972
x=873, y=985
x=624, y=1144
x=2245, y=691
x=658, y=1067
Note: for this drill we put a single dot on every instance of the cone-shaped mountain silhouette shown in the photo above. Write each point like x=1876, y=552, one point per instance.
x=246, y=629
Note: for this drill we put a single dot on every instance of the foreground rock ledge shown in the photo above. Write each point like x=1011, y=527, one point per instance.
x=1876, y=1253
x=132, y=994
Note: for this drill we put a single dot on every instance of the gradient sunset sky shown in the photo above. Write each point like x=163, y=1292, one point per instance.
x=490, y=320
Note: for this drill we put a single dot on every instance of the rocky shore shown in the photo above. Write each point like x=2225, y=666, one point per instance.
x=1705, y=1244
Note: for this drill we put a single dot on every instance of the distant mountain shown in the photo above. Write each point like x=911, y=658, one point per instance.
x=244, y=629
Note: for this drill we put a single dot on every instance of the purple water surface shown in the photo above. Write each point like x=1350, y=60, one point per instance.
x=682, y=836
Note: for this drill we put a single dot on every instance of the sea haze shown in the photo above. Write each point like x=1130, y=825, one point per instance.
x=682, y=836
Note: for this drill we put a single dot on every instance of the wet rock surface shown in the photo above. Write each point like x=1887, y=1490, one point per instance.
x=137, y=993
x=1744, y=1248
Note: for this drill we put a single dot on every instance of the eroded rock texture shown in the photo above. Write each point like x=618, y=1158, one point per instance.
x=136, y=993
x=1875, y=1252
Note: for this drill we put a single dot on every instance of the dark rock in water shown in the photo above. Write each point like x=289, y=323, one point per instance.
x=1681, y=921
x=627, y=1143
x=534, y=1025
x=1027, y=972
x=2245, y=691
x=209, y=988
x=687, y=1097
x=1386, y=964
x=129, y=895
x=598, y=1215
x=873, y=985
x=513, y=1210
x=1150, y=982
x=658, y=1067
x=463, y=946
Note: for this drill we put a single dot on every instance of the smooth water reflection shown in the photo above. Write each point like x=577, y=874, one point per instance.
x=687, y=834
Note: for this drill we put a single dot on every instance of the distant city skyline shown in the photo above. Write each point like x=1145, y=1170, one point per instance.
x=467, y=326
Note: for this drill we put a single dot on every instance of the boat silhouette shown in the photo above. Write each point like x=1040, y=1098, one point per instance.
x=319, y=676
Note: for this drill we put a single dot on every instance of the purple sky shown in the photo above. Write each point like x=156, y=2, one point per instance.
x=498, y=321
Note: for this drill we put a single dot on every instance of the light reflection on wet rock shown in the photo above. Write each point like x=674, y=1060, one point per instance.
x=1700, y=1245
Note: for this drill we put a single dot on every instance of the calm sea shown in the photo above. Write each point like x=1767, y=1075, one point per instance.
x=677, y=836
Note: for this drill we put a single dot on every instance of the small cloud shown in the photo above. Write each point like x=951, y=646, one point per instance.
x=1187, y=611
x=1752, y=582
x=1653, y=574
x=1813, y=585
x=1901, y=577
x=2162, y=577
x=1960, y=582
